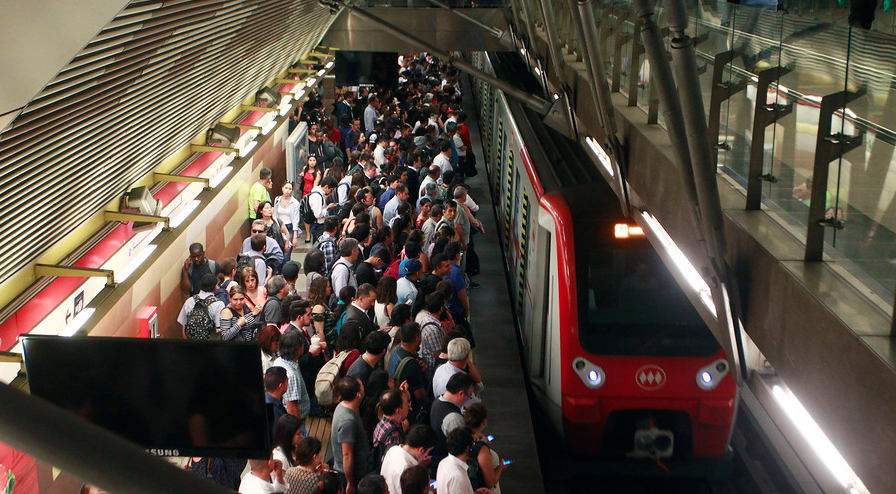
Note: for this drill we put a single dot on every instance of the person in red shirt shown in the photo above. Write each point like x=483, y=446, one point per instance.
x=464, y=134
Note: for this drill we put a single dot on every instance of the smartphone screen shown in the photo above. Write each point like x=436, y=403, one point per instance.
x=433, y=484
x=508, y=462
x=490, y=437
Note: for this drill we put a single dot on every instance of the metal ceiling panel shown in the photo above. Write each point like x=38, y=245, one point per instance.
x=39, y=38
x=143, y=87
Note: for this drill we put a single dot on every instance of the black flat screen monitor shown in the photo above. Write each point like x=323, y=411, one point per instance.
x=171, y=397
x=367, y=68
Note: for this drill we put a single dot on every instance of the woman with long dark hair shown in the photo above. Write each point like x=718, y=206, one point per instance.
x=237, y=320
x=275, y=229
x=303, y=477
x=287, y=434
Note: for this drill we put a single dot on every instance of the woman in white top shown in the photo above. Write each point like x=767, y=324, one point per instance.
x=287, y=434
x=386, y=297
x=286, y=208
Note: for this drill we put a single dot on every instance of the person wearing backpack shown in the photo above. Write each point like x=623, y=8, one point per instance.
x=389, y=431
x=315, y=208
x=195, y=266
x=200, y=315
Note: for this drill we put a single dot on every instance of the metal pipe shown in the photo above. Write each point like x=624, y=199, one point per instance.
x=703, y=171
x=88, y=451
x=550, y=29
x=540, y=105
x=669, y=103
x=594, y=65
x=493, y=31
x=684, y=57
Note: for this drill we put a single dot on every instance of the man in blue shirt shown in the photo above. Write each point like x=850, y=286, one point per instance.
x=276, y=383
x=458, y=304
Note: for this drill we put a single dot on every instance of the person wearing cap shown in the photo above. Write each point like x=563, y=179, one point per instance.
x=458, y=362
x=409, y=272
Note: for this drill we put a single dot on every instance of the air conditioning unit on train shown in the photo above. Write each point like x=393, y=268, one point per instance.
x=139, y=200
x=221, y=136
x=267, y=98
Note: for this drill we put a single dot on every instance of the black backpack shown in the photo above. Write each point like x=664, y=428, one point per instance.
x=477, y=480
x=375, y=458
x=200, y=323
x=307, y=213
x=244, y=261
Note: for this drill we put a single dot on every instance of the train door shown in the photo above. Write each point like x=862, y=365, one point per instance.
x=541, y=283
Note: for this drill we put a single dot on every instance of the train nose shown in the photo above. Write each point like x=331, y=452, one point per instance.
x=652, y=443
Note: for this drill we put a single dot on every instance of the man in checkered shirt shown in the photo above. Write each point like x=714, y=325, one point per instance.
x=296, y=399
x=327, y=243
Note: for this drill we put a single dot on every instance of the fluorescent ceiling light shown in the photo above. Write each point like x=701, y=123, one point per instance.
x=217, y=179
x=523, y=52
x=136, y=262
x=268, y=127
x=312, y=81
x=247, y=149
x=184, y=212
x=818, y=441
x=330, y=64
x=284, y=110
x=537, y=71
x=602, y=155
x=78, y=322
x=300, y=94
x=687, y=270
x=321, y=72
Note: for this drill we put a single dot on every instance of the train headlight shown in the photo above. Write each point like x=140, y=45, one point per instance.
x=710, y=376
x=590, y=374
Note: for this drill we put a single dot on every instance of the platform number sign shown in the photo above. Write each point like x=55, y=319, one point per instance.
x=524, y=254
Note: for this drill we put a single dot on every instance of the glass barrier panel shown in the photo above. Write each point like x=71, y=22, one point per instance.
x=754, y=39
x=627, y=36
x=866, y=177
x=814, y=72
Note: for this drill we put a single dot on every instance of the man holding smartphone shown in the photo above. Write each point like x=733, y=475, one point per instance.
x=452, y=474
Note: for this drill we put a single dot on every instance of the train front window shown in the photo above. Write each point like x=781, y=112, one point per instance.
x=629, y=303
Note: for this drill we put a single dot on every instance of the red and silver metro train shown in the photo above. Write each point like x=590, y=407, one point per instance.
x=617, y=356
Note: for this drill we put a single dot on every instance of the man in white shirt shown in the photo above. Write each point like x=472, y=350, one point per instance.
x=265, y=477
x=318, y=201
x=415, y=451
x=443, y=159
x=379, y=153
x=451, y=477
x=391, y=210
x=433, y=174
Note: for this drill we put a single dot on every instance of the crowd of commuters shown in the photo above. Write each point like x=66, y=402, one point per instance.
x=378, y=336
